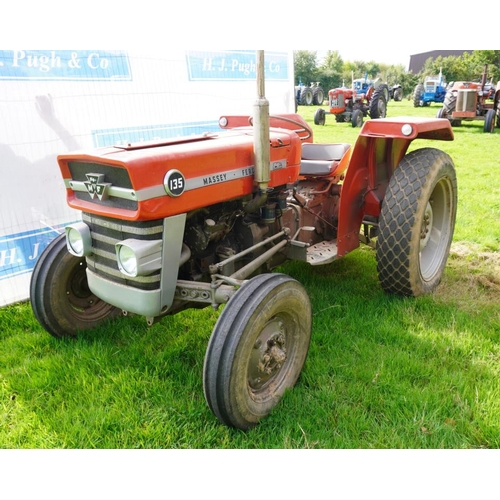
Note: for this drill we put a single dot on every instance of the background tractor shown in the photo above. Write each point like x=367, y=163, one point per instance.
x=432, y=90
x=472, y=101
x=396, y=92
x=352, y=105
x=308, y=96
x=202, y=221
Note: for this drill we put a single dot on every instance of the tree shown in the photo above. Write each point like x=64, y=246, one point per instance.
x=305, y=66
x=330, y=72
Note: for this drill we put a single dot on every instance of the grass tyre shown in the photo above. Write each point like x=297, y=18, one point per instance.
x=257, y=349
x=416, y=223
x=59, y=294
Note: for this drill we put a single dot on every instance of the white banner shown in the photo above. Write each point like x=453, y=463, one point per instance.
x=55, y=101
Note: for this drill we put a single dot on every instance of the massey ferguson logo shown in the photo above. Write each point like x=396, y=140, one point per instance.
x=96, y=186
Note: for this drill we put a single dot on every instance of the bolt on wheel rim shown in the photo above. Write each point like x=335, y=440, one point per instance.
x=268, y=355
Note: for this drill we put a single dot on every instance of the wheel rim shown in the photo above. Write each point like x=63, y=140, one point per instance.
x=268, y=356
x=381, y=109
x=80, y=302
x=436, y=225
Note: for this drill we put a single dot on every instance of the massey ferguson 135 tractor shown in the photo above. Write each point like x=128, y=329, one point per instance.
x=352, y=105
x=472, y=101
x=203, y=220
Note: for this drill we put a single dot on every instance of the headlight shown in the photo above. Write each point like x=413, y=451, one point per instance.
x=139, y=257
x=78, y=239
x=127, y=261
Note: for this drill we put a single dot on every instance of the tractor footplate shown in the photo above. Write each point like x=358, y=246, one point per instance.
x=322, y=253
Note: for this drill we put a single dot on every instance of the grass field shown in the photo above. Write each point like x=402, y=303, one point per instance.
x=382, y=371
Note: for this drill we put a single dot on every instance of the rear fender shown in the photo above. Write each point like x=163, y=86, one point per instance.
x=380, y=147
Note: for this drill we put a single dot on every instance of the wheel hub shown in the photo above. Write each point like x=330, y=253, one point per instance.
x=268, y=356
x=425, y=231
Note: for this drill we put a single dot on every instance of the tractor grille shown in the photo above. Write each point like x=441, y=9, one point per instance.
x=106, y=233
x=466, y=100
x=117, y=177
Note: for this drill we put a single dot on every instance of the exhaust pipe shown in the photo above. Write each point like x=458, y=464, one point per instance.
x=261, y=143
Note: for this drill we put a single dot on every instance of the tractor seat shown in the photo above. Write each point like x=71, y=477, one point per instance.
x=321, y=159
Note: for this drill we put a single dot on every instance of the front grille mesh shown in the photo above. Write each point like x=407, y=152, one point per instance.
x=106, y=233
x=117, y=177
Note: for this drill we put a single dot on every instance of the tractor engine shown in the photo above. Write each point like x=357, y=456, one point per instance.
x=219, y=232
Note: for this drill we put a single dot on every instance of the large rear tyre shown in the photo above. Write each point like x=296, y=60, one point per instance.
x=398, y=94
x=318, y=96
x=257, y=349
x=378, y=103
x=60, y=296
x=418, y=92
x=489, y=121
x=306, y=96
x=416, y=223
x=319, y=116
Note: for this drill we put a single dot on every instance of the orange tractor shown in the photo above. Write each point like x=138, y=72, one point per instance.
x=353, y=104
x=204, y=220
x=472, y=101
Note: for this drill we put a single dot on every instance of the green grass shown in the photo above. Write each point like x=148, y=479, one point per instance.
x=382, y=371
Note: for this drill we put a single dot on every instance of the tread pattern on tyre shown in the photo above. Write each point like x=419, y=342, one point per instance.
x=220, y=350
x=397, y=220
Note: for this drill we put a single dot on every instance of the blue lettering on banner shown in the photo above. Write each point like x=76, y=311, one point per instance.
x=95, y=65
x=129, y=135
x=235, y=65
x=19, y=252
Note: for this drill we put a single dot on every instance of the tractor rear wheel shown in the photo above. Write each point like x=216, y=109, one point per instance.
x=306, y=96
x=257, y=349
x=319, y=116
x=318, y=96
x=417, y=95
x=60, y=296
x=417, y=222
x=378, y=103
x=489, y=121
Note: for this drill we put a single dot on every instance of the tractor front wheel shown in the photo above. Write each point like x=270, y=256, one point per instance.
x=257, y=349
x=357, y=118
x=417, y=222
x=60, y=296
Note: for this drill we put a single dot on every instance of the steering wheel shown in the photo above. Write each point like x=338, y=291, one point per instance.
x=302, y=129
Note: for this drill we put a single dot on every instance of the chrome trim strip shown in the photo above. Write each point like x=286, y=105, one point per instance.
x=158, y=191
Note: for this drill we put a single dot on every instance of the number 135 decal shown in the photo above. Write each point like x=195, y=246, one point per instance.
x=174, y=183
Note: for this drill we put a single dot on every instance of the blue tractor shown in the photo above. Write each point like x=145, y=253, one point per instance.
x=432, y=90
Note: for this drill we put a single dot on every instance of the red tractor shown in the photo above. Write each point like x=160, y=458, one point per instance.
x=352, y=105
x=472, y=101
x=203, y=221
